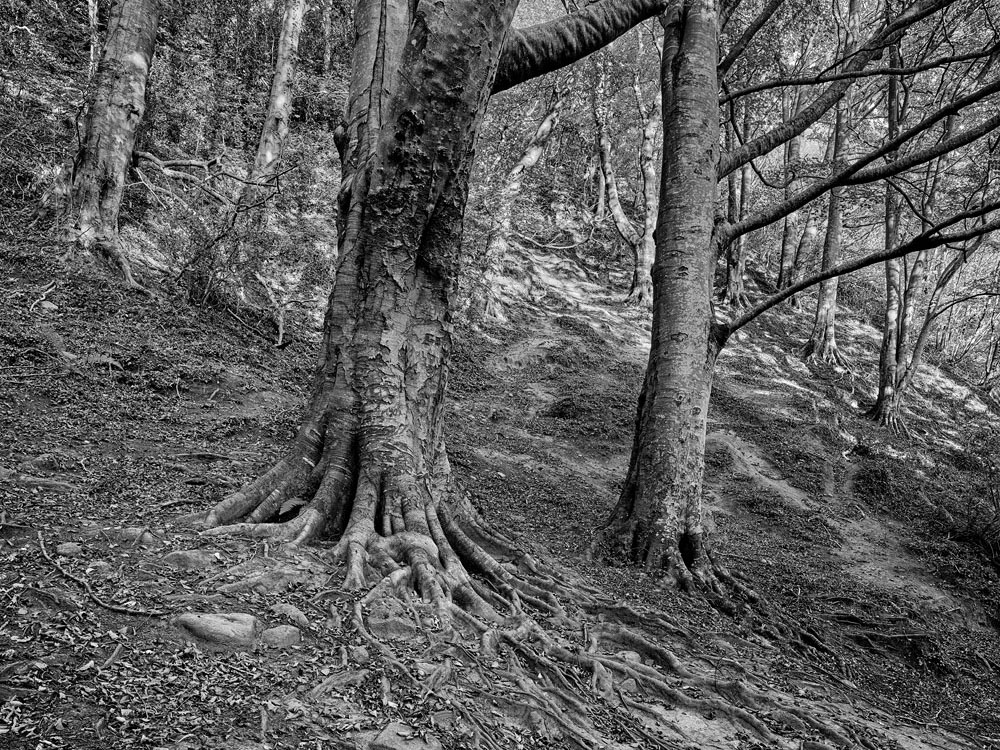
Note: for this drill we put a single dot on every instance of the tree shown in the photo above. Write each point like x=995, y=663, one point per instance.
x=658, y=519
x=114, y=114
x=215, y=269
x=369, y=463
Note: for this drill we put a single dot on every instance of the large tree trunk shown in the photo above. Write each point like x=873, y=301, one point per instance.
x=498, y=244
x=369, y=464
x=658, y=519
x=792, y=153
x=113, y=118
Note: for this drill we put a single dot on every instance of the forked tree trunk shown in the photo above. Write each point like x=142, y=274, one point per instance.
x=658, y=519
x=114, y=114
x=503, y=217
x=604, y=151
x=369, y=464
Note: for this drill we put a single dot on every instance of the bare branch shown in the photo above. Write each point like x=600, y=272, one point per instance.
x=871, y=50
x=829, y=78
x=748, y=35
x=926, y=240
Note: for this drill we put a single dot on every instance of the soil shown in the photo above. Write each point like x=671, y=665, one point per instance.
x=878, y=606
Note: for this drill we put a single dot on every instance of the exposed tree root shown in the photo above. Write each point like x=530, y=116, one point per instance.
x=825, y=350
x=545, y=647
x=887, y=415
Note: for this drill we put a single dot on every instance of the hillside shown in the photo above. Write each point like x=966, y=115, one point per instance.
x=876, y=622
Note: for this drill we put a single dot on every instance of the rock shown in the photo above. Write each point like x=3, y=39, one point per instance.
x=631, y=656
x=291, y=613
x=400, y=736
x=188, y=559
x=390, y=620
x=48, y=306
x=69, y=549
x=100, y=568
x=629, y=686
x=138, y=535
x=360, y=655
x=234, y=629
x=282, y=636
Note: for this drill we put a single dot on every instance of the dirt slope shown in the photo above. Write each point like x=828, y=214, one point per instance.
x=877, y=625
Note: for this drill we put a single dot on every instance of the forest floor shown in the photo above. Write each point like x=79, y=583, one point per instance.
x=119, y=413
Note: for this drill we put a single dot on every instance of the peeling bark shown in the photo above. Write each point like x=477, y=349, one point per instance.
x=114, y=114
x=369, y=464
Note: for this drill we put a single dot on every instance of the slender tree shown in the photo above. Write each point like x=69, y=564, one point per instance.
x=114, y=113
x=658, y=521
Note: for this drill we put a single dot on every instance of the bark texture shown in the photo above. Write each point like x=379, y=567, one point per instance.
x=114, y=114
x=658, y=519
x=369, y=464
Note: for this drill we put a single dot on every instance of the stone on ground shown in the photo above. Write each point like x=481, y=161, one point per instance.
x=400, y=736
x=235, y=629
x=69, y=549
x=291, y=613
x=282, y=636
x=188, y=559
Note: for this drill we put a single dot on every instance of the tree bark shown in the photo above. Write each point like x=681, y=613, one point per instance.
x=115, y=112
x=369, y=464
x=658, y=519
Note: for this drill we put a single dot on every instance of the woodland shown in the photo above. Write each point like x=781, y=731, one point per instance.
x=426, y=374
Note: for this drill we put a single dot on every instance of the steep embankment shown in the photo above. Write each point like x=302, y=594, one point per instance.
x=119, y=413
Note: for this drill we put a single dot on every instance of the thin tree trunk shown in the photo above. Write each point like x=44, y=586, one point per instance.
x=739, y=199
x=219, y=271
x=600, y=106
x=327, y=22
x=641, y=287
x=790, y=232
x=498, y=244
x=115, y=112
x=822, y=343
x=658, y=519
x=95, y=38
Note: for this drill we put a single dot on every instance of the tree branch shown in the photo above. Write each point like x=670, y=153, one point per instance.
x=871, y=50
x=748, y=35
x=856, y=174
x=537, y=50
x=926, y=240
x=829, y=78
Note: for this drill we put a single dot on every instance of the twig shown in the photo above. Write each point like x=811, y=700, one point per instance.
x=90, y=592
x=45, y=293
